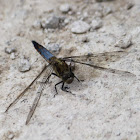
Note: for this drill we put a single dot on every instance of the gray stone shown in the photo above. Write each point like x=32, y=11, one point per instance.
x=24, y=65
x=79, y=27
x=124, y=42
x=52, y=22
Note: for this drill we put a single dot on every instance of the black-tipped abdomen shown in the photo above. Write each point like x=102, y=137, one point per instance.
x=43, y=51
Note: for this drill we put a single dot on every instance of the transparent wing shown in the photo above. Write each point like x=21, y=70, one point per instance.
x=24, y=91
x=106, y=69
x=99, y=59
x=37, y=98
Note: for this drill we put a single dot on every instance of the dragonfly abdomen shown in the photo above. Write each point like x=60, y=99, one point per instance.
x=43, y=51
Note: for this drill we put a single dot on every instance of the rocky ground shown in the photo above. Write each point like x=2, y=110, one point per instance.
x=105, y=105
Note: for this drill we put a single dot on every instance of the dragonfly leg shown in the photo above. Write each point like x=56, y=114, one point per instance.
x=56, y=88
x=64, y=88
x=52, y=74
x=76, y=78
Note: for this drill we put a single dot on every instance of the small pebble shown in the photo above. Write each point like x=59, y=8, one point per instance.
x=79, y=27
x=24, y=65
x=124, y=42
x=66, y=21
x=37, y=24
x=52, y=22
x=65, y=8
x=96, y=24
x=12, y=56
x=11, y=136
x=85, y=15
x=53, y=47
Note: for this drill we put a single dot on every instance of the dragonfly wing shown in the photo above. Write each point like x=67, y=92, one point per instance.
x=106, y=69
x=24, y=91
x=98, y=59
x=37, y=98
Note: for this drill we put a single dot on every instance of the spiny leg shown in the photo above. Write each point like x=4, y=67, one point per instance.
x=56, y=88
x=49, y=77
x=76, y=78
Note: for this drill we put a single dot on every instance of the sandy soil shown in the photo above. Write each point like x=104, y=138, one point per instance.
x=106, y=105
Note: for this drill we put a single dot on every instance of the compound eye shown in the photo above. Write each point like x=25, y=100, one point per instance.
x=69, y=80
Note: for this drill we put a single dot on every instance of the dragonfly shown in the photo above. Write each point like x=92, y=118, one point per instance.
x=63, y=70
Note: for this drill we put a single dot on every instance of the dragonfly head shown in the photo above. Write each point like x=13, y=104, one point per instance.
x=68, y=77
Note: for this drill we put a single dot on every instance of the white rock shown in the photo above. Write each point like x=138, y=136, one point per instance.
x=124, y=42
x=66, y=21
x=85, y=15
x=96, y=24
x=65, y=8
x=24, y=65
x=37, y=24
x=12, y=56
x=11, y=136
x=79, y=27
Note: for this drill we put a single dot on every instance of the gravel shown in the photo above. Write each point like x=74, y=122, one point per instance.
x=24, y=65
x=124, y=42
x=12, y=56
x=80, y=27
x=65, y=8
x=96, y=24
x=52, y=47
x=53, y=22
x=37, y=24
